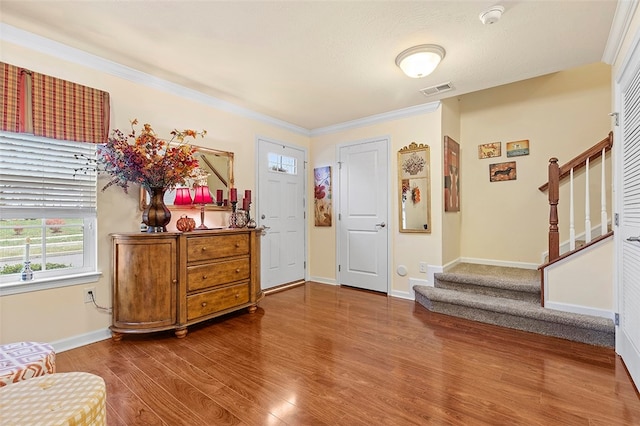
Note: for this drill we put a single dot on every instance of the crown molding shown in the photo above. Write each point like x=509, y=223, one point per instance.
x=62, y=51
x=619, y=27
x=378, y=118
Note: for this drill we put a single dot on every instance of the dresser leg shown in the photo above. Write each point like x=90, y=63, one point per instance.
x=252, y=308
x=116, y=336
x=181, y=332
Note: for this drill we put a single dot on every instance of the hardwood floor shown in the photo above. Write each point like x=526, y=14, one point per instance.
x=326, y=355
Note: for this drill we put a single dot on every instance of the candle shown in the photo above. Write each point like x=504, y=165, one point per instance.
x=245, y=204
x=225, y=202
x=234, y=195
x=219, y=196
x=26, y=250
x=247, y=194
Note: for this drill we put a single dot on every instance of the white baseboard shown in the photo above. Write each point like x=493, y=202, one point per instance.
x=402, y=295
x=505, y=263
x=323, y=280
x=81, y=340
x=577, y=309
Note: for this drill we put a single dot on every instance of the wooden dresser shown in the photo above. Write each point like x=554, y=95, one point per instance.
x=171, y=280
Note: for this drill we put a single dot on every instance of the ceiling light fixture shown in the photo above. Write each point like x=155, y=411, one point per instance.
x=420, y=61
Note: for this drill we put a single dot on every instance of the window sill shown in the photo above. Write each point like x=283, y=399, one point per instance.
x=7, y=289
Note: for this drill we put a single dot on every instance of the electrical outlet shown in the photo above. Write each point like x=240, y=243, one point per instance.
x=87, y=294
x=422, y=267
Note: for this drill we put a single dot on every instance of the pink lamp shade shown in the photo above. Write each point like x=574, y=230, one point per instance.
x=183, y=197
x=202, y=195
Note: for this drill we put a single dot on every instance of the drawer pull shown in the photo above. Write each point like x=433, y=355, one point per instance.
x=204, y=304
x=237, y=295
x=204, y=249
x=237, y=245
x=204, y=277
x=238, y=271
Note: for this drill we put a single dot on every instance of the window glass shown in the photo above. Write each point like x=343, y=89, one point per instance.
x=48, y=201
x=282, y=164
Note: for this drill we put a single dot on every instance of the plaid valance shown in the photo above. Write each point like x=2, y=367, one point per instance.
x=10, y=97
x=53, y=108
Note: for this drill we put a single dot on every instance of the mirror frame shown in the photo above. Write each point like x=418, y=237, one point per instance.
x=144, y=196
x=421, y=170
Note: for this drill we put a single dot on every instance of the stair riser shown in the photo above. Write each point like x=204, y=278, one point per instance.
x=598, y=338
x=489, y=291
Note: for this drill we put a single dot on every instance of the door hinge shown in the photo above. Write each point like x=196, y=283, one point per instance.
x=616, y=219
x=304, y=264
x=304, y=215
x=339, y=165
x=616, y=319
x=339, y=216
x=615, y=118
x=338, y=268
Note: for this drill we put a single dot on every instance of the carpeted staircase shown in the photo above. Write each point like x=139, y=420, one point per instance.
x=509, y=297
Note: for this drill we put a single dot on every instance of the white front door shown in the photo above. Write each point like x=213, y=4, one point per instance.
x=281, y=208
x=627, y=148
x=363, y=231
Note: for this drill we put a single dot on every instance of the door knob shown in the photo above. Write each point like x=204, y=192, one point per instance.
x=381, y=225
x=263, y=217
x=634, y=239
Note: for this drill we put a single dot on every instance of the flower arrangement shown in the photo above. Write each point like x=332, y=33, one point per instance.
x=147, y=160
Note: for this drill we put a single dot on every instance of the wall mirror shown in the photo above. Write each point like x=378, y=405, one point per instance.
x=414, y=188
x=219, y=166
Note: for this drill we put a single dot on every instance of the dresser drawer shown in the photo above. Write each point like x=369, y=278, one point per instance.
x=213, y=274
x=213, y=301
x=215, y=246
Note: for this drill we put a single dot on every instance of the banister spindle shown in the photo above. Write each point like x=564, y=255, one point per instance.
x=572, y=224
x=603, y=199
x=587, y=202
x=554, y=189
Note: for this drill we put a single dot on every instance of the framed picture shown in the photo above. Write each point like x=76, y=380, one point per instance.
x=322, y=196
x=499, y=172
x=451, y=175
x=489, y=150
x=518, y=148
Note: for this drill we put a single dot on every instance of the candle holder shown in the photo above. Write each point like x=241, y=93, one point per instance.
x=26, y=274
x=233, y=219
x=250, y=222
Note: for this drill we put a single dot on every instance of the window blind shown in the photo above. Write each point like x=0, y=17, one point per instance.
x=42, y=177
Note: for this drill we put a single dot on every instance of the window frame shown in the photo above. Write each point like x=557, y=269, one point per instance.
x=55, y=278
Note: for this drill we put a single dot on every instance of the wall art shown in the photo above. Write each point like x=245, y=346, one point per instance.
x=489, y=150
x=322, y=196
x=499, y=172
x=451, y=175
x=518, y=148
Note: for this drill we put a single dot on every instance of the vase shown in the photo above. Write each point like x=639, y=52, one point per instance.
x=156, y=216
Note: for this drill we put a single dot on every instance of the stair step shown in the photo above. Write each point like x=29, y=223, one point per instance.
x=511, y=283
x=519, y=315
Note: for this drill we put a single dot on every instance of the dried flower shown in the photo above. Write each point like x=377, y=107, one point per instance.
x=148, y=160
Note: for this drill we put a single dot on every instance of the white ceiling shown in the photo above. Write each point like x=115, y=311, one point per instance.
x=320, y=63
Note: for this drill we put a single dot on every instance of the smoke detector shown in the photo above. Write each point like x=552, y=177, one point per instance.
x=492, y=15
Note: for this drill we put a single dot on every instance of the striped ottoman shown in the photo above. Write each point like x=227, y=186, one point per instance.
x=72, y=399
x=24, y=360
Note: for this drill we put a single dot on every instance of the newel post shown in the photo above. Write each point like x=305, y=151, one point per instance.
x=554, y=191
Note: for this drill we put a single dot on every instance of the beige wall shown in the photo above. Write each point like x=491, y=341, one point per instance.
x=451, y=221
x=585, y=280
x=406, y=249
x=561, y=115
x=57, y=314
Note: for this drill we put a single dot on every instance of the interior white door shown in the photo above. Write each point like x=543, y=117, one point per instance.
x=362, y=220
x=281, y=209
x=628, y=235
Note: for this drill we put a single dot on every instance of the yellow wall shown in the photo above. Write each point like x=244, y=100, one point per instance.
x=561, y=115
x=57, y=314
x=406, y=249
x=585, y=280
x=451, y=221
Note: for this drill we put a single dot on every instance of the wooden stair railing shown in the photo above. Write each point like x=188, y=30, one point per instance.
x=558, y=173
